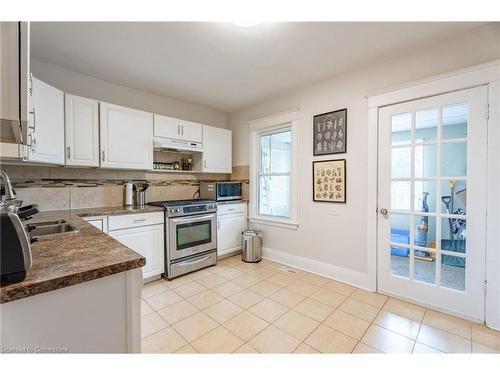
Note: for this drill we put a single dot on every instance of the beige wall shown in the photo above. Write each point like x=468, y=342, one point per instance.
x=336, y=233
x=83, y=85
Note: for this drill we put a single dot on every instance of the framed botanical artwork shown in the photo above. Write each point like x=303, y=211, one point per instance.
x=329, y=181
x=330, y=133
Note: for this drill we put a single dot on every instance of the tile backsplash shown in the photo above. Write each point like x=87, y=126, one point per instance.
x=60, y=188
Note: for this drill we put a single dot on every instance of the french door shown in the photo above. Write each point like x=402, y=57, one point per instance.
x=432, y=201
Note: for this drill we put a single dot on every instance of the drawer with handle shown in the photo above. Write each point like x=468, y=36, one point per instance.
x=135, y=220
x=230, y=208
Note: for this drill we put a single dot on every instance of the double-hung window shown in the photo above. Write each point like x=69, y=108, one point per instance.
x=273, y=170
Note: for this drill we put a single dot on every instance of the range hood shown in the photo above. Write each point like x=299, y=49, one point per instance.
x=168, y=144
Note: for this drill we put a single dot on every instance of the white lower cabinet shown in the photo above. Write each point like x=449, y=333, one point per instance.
x=143, y=233
x=231, y=221
x=100, y=222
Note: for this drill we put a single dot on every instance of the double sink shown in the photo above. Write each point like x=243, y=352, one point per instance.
x=49, y=228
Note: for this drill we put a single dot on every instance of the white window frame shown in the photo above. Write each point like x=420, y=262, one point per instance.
x=258, y=127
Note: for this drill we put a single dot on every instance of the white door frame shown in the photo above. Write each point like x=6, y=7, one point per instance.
x=485, y=74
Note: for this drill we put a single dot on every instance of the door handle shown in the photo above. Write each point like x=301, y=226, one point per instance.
x=178, y=129
x=384, y=211
x=103, y=153
x=68, y=153
x=182, y=129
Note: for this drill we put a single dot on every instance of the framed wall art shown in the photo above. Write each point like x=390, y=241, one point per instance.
x=329, y=181
x=330, y=133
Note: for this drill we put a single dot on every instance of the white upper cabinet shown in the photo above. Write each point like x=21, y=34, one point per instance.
x=217, y=146
x=126, y=137
x=82, y=131
x=46, y=124
x=174, y=128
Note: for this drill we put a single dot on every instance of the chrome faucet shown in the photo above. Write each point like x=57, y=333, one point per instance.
x=9, y=192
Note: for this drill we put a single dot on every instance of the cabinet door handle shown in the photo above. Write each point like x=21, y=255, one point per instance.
x=32, y=112
x=204, y=163
x=68, y=152
x=139, y=220
x=182, y=130
x=178, y=129
x=103, y=155
x=218, y=224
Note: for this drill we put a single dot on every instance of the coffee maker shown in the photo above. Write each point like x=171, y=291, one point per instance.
x=15, y=243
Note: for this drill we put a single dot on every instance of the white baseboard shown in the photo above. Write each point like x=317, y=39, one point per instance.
x=355, y=278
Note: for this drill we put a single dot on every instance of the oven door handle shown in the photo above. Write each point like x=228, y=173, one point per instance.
x=193, y=219
x=194, y=261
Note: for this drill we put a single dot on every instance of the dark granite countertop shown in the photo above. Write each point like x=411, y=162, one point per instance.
x=68, y=259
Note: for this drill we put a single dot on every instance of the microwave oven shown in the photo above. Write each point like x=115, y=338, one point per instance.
x=221, y=190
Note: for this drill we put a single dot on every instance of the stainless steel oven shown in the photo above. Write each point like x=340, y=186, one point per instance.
x=191, y=235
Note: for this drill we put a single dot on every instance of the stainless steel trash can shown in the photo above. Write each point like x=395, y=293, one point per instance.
x=252, y=246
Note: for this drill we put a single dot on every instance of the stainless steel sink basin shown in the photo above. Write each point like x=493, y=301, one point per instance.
x=48, y=228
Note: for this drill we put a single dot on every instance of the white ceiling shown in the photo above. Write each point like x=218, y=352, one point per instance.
x=222, y=65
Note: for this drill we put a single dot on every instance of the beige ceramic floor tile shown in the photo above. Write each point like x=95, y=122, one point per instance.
x=211, y=280
x=405, y=309
x=201, y=274
x=305, y=349
x=359, y=309
x=178, y=281
x=314, y=309
x=264, y=288
x=448, y=323
x=485, y=336
x=177, y=312
x=364, y=349
x=230, y=273
x=164, y=299
x=387, y=341
x=205, y=299
x=145, y=308
x=287, y=298
x=347, y=324
x=195, y=326
x=246, y=298
x=268, y=310
x=188, y=349
x=480, y=348
x=443, y=341
x=371, y=298
x=245, y=280
x=153, y=288
x=223, y=311
x=281, y=279
x=189, y=289
x=328, y=297
x=245, y=325
x=220, y=267
x=262, y=273
x=296, y=324
x=327, y=340
x=341, y=288
x=151, y=323
x=274, y=340
x=398, y=324
x=303, y=288
x=220, y=340
x=245, y=349
x=315, y=279
x=420, y=348
x=227, y=289
x=165, y=341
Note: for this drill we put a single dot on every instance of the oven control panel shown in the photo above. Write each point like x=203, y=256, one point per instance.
x=191, y=209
